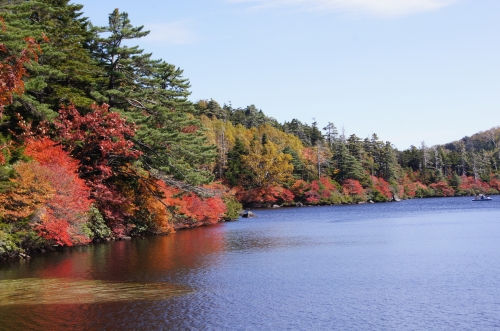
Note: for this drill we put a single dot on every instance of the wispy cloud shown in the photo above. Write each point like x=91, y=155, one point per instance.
x=373, y=7
x=180, y=32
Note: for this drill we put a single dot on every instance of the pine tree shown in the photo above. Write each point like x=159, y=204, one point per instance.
x=235, y=170
x=65, y=72
x=347, y=166
x=298, y=165
x=153, y=94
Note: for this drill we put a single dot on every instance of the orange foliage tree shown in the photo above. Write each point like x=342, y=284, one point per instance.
x=442, y=189
x=48, y=192
x=30, y=189
x=264, y=195
x=64, y=215
x=471, y=186
x=381, y=189
x=189, y=209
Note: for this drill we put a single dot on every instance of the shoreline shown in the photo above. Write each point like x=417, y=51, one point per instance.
x=52, y=249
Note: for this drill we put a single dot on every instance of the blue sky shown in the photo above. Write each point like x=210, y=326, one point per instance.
x=408, y=70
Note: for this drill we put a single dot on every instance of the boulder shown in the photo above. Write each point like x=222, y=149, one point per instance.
x=396, y=198
x=299, y=204
x=276, y=206
x=370, y=201
x=248, y=214
x=126, y=238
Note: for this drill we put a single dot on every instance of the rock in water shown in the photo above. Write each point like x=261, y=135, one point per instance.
x=248, y=214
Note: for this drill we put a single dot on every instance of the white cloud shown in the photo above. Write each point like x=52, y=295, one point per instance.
x=180, y=32
x=374, y=7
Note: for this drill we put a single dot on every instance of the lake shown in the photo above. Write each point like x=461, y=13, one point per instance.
x=423, y=264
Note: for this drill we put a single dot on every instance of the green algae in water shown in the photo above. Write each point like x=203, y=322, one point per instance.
x=37, y=291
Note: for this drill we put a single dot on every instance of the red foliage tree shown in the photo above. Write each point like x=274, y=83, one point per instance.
x=353, y=187
x=12, y=71
x=63, y=216
x=495, y=183
x=409, y=187
x=173, y=208
x=321, y=191
x=471, y=186
x=101, y=141
x=382, y=186
x=299, y=188
x=204, y=211
x=442, y=189
x=264, y=195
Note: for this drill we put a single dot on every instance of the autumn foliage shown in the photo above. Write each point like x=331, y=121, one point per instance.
x=471, y=186
x=49, y=193
x=381, y=188
x=442, y=189
x=264, y=196
x=353, y=187
x=186, y=209
x=29, y=191
x=100, y=141
x=12, y=71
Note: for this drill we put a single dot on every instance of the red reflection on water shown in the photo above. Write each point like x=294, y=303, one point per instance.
x=152, y=259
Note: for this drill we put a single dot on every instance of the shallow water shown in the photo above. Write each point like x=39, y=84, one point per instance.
x=425, y=264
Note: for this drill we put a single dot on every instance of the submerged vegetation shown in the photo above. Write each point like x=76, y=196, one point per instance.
x=99, y=140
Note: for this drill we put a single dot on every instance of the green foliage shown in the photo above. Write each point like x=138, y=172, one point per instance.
x=153, y=94
x=455, y=181
x=424, y=192
x=233, y=208
x=298, y=165
x=18, y=239
x=235, y=169
x=96, y=226
x=65, y=71
x=376, y=196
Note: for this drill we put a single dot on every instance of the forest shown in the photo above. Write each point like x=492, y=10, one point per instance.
x=99, y=141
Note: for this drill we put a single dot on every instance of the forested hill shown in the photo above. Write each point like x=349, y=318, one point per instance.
x=100, y=140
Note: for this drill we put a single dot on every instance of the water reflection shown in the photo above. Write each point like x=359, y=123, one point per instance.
x=38, y=291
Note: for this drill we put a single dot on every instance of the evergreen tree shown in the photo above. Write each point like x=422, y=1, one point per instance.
x=455, y=181
x=389, y=163
x=347, y=166
x=65, y=72
x=298, y=165
x=153, y=94
x=235, y=169
x=331, y=134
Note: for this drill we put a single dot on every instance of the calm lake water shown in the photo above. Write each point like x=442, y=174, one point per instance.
x=427, y=264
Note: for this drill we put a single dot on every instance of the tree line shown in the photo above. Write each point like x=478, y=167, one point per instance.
x=99, y=140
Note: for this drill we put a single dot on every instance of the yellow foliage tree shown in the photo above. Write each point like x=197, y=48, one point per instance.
x=269, y=165
x=31, y=189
